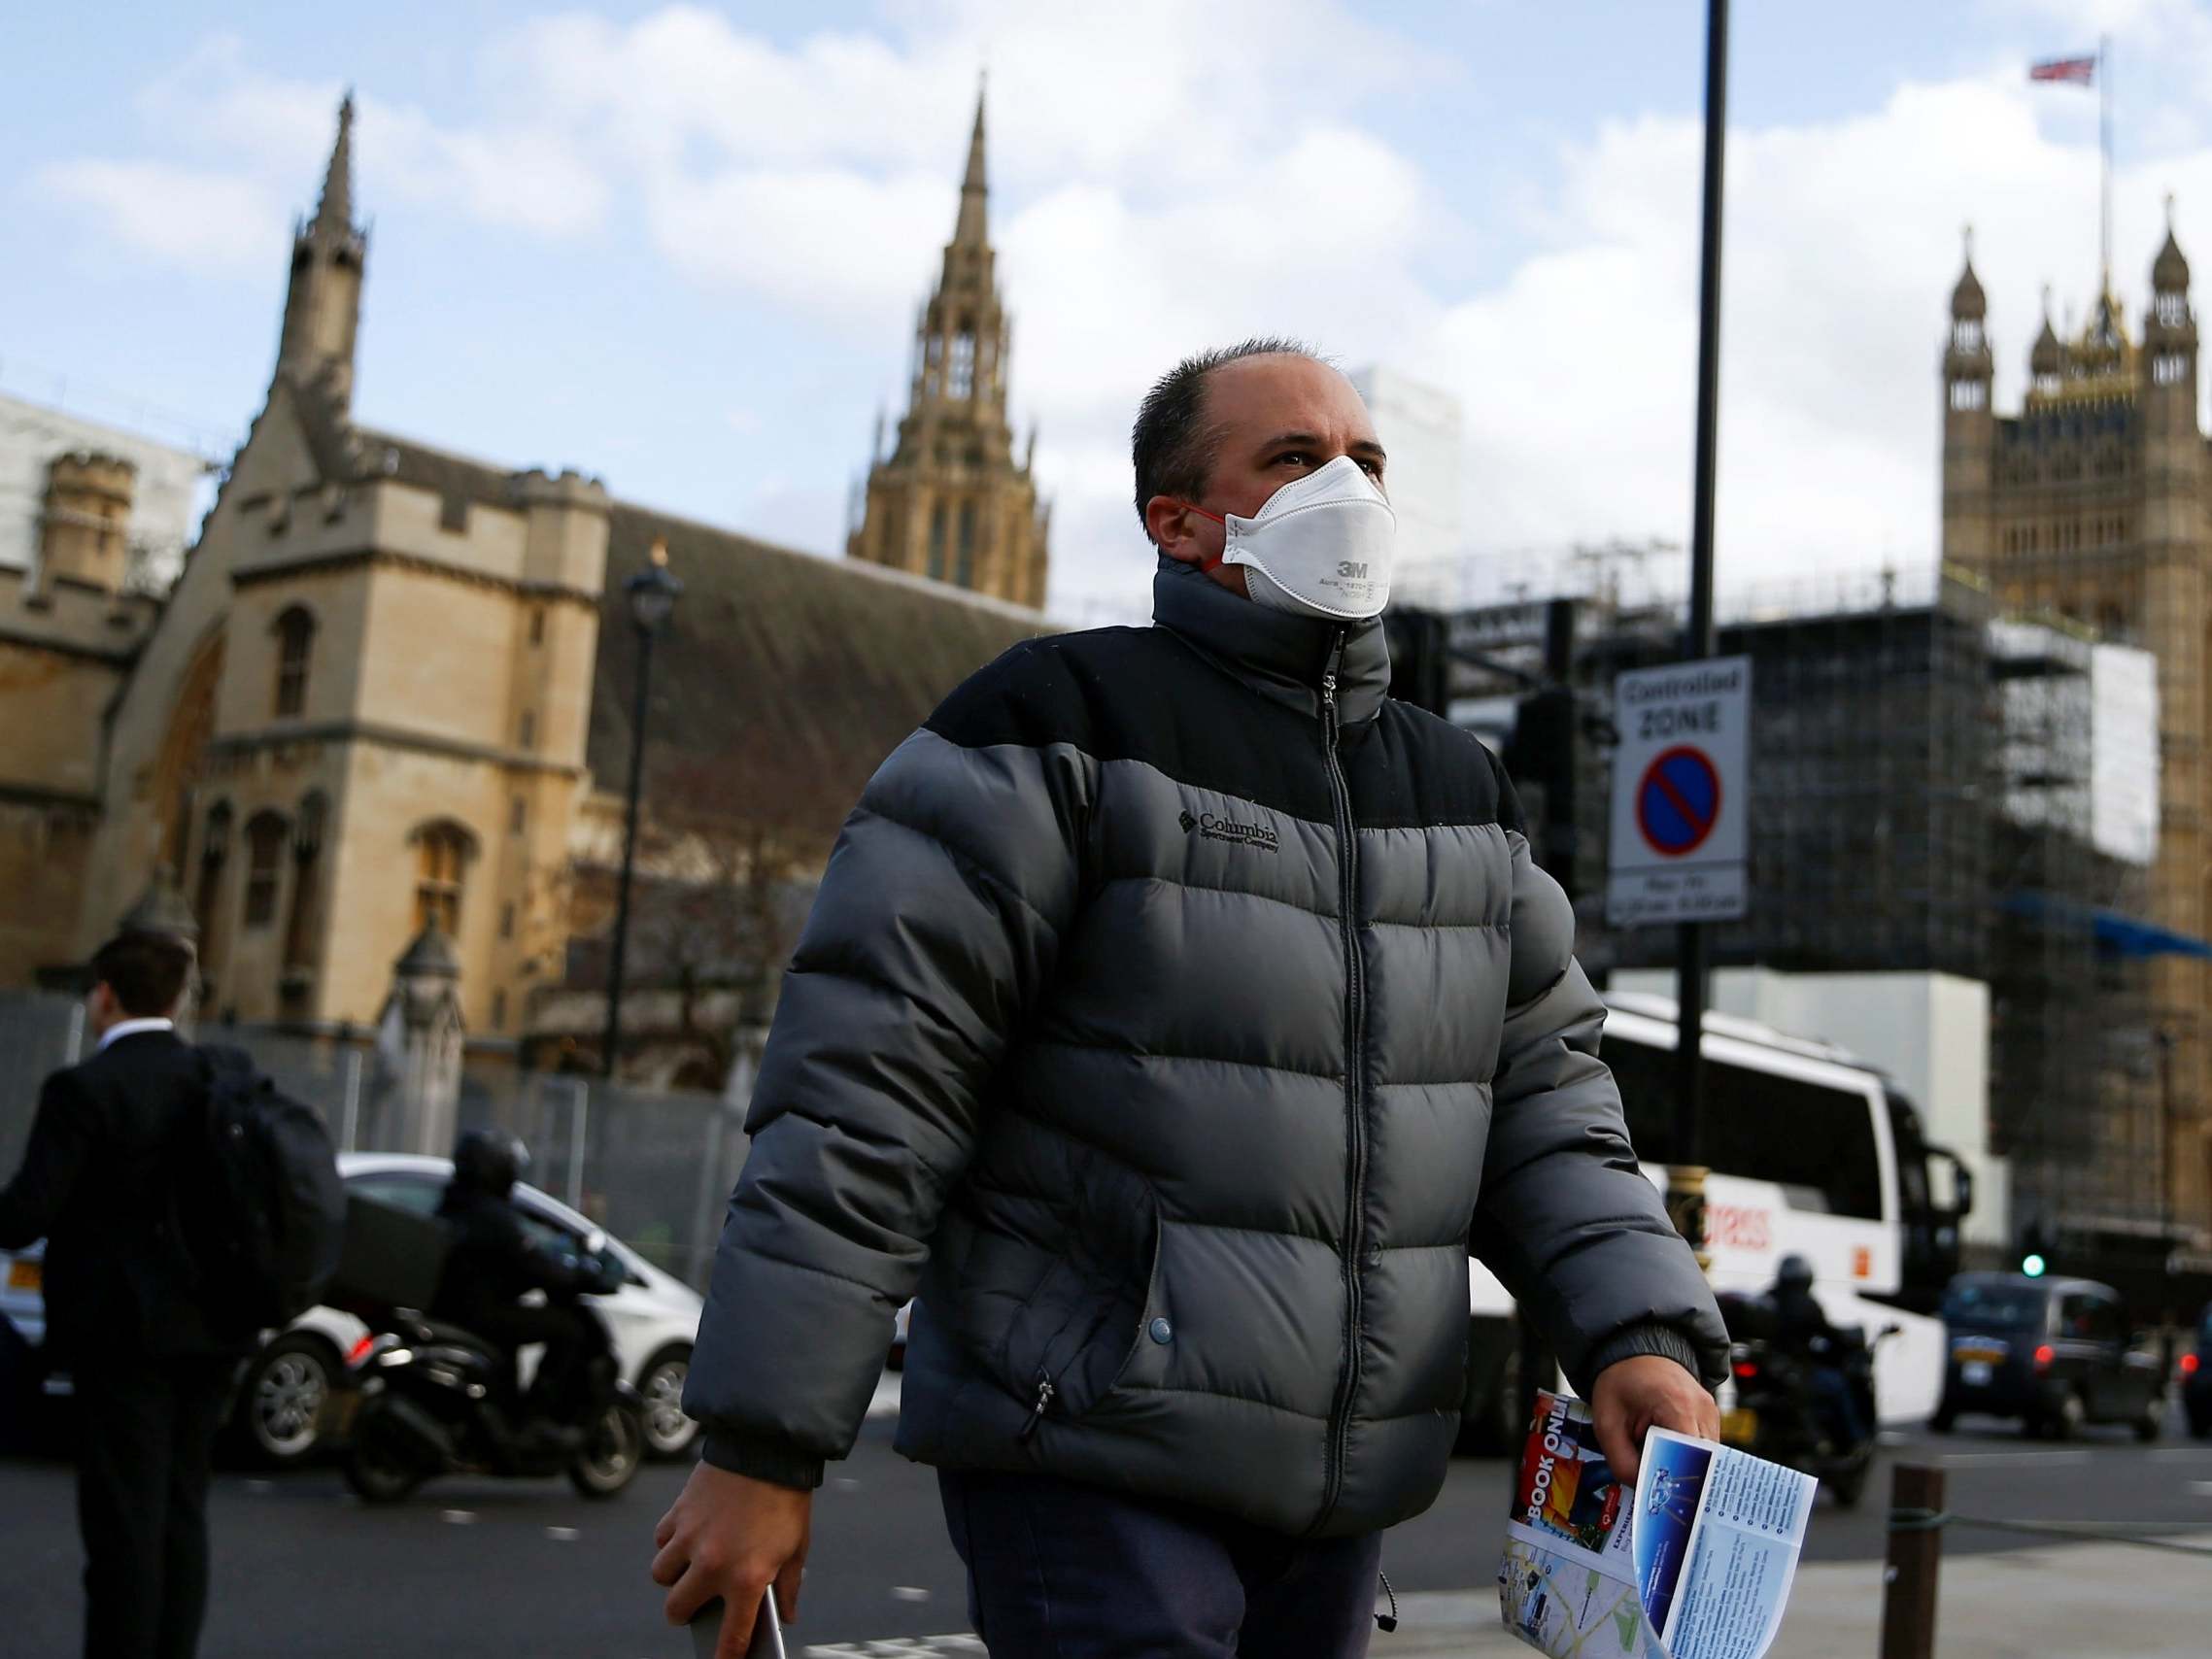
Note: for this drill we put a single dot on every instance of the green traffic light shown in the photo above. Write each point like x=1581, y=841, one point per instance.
x=2031, y=1266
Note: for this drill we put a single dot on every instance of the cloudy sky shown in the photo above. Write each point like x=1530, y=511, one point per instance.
x=680, y=245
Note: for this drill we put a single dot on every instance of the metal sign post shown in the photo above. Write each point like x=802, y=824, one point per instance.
x=1685, y=1186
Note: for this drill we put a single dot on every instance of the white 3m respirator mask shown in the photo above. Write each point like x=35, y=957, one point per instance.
x=1320, y=546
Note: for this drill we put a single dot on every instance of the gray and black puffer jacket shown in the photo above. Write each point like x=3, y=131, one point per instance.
x=1177, y=1013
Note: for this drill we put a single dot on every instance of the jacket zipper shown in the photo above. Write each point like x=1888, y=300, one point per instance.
x=1044, y=1394
x=1355, y=1123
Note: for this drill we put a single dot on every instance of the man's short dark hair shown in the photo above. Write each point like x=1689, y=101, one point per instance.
x=1172, y=444
x=147, y=972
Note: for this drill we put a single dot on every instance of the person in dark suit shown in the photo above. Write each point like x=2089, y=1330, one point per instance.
x=151, y=1378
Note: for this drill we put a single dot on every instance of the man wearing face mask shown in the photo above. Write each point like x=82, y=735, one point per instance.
x=1177, y=1013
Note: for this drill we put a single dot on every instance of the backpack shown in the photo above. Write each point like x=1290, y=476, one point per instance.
x=259, y=1211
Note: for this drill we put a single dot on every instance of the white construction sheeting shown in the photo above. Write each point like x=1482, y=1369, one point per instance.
x=2080, y=744
x=2124, y=753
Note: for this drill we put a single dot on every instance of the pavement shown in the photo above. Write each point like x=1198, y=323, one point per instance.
x=485, y=1569
x=2087, y=1601
x=2118, y=1602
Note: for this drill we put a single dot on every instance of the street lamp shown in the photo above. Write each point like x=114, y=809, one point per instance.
x=653, y=594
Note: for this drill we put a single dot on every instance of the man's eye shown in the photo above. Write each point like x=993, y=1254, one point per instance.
x=1373, y=469
x=1300, y=457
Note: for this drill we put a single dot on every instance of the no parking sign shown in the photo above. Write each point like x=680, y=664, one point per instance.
x=1679, y=785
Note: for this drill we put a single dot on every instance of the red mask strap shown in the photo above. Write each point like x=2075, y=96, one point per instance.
x=1210, y=564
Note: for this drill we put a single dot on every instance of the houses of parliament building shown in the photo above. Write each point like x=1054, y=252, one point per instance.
x=2092, y=505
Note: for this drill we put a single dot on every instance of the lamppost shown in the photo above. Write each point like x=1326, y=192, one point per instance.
x=653, y=594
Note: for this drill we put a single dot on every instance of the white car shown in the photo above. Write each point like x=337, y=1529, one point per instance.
x=286, y=1402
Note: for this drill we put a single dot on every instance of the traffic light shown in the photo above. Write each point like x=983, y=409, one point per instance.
x=2034, y=1250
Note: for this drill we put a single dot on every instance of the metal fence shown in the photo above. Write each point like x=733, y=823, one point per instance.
x=655, y=1168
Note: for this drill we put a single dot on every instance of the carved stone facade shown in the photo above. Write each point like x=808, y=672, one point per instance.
x=389, y=697
x=950, y=503
x=2094, y=505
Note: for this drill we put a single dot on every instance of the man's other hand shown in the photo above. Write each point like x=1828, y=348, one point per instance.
x=731, y=1537
x=1649, y=1391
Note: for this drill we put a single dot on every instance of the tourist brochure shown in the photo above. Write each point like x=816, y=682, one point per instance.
x=1694, y=1563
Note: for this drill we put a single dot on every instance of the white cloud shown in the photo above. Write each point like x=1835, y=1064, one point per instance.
x=197, y=221
x=1148, y=203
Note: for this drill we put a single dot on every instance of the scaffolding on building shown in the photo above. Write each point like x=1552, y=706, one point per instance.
x=1925, y=798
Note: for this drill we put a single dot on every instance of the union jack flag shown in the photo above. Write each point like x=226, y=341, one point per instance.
x=2081, y=71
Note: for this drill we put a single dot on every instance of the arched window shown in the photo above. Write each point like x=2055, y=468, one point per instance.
x=266, y=836
x=442, y=851
x=936, y=543
x=304, y=923
x=963, y=365
x=295, y=645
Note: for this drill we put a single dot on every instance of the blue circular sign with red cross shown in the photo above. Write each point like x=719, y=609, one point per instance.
x=1678, y=800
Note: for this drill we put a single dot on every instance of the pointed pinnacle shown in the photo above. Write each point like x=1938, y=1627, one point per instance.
x=334, y=218
x=969, y=231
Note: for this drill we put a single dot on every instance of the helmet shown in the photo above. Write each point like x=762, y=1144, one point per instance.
x=489, y=1161
x=1794, y=1274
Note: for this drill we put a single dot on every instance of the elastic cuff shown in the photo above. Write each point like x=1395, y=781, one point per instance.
x=778, y=1462
x=1663, y=1341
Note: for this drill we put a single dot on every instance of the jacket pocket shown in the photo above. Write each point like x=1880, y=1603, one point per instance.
x=1070, y=1342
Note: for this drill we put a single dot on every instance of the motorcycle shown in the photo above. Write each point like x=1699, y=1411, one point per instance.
x=438, y=1399
x=1778, y=1416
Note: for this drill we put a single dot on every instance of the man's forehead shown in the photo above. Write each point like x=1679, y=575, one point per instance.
x=1281, y=390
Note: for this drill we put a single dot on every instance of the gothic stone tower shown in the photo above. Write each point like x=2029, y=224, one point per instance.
x=2094, y=503
x=950, y=503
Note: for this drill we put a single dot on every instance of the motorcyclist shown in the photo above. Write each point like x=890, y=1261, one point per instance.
x=1802, y=1328
x=495, y=1261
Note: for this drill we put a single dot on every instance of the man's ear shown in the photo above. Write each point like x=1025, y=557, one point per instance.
x=1173, y=526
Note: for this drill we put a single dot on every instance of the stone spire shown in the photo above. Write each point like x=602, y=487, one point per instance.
x=323, y=304
x=2169, y=271
x=334, y=215
x=951, y=501
x=970, y=230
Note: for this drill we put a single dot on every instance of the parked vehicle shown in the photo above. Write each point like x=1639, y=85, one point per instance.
x=1776, y=1413
x=294, y=1401
x=2054, y=1353
x=2196, y=1379
x=1812, y=1152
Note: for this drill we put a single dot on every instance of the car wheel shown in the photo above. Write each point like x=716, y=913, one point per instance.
x=2200, y=1427
x=1943, y=1422
x=2153, y=1421
x=2066, y=1422
x=668, y=1432
x=284, y=1399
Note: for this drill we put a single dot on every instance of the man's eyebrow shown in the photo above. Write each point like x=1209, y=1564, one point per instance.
x=1312, y=440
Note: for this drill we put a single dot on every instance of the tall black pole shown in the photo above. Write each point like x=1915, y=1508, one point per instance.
x=610, y=1048
x=1689, y=996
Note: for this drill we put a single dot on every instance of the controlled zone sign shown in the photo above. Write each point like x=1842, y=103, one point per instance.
x=1679, y=782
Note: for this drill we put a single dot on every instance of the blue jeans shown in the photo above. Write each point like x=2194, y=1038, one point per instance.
x=1062, y=1571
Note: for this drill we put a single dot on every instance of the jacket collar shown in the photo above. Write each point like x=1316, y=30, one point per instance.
x=1277, y=655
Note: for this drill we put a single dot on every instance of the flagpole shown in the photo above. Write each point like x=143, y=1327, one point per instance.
x=2105, y=174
